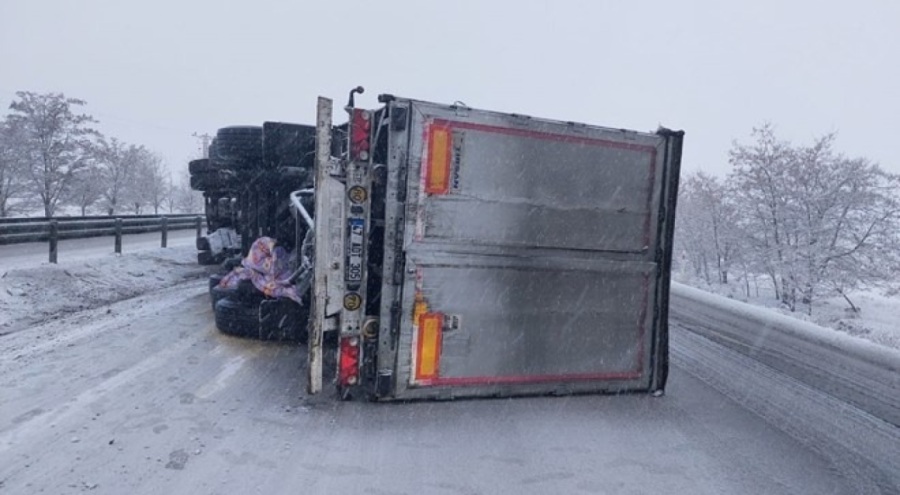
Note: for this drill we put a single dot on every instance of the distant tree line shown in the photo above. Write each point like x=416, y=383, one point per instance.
x=810, y=220
x=51, y=156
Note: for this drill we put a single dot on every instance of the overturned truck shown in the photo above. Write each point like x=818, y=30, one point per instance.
x=442, y=251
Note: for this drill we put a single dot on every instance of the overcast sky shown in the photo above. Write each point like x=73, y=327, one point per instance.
x=155, y=72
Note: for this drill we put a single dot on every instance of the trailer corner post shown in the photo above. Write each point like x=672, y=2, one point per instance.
x=323, y=157
x=165, y=232
x=118, y=245
x=54, y=238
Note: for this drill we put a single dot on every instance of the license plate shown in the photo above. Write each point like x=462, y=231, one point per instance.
x=355, y=250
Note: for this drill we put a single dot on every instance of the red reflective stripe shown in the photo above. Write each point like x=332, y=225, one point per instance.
x=525, y=379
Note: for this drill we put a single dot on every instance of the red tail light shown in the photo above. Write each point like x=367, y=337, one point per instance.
x=360, y=128
x=348, y=373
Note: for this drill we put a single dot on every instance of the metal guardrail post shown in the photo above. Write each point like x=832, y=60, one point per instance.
x=199, y=225
x=25, y=230
x=54, y=238
x=118, y=236
x=165, y=232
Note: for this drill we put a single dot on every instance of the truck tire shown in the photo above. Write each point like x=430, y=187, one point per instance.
x=206, y=181
x=239, y=147
x=202, y=244
x=217, y=293
x=205, y=258
x=214, y=294
x=248, y=294
x=231, y=263
x=288, y=145
x=213, y=152
x=283, y=320
x=201, y=166
x=235, y=318
x=215, y=279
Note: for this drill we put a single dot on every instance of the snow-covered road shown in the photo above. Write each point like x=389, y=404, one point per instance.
x=145, y=396
x=851, y=369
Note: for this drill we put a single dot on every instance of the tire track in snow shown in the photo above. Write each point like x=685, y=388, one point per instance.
x=862, y=447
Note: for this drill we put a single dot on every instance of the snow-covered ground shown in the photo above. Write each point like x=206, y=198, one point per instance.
x=32, y=292
x=72, y=250
x=877, y=321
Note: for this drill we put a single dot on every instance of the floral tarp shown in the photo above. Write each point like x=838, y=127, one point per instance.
x=268, y=267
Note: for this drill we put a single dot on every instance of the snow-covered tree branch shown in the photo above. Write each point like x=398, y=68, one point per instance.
x=812, y=220
x=53, y=141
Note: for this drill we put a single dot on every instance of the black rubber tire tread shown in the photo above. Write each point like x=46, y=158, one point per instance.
x=206, y=181
x=201, y=166
x=214, y=283
x=293, y=178
x=206, y=258
x=240, y=146
x=236, y=318
x=203, y=243
x=224, y=181
x=217, y=293
x=283, y=320
x=248, y=294
x=237, y=158
x=215, y=279
x=213, y=153
x=288, y=145
x=231, y=263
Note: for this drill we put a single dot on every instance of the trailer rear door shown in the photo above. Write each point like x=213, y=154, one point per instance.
x=534, y=255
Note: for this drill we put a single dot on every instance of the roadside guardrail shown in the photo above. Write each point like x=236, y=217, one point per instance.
x=52, y=230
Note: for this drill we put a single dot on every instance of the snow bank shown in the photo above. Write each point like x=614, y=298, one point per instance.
x=877, y=321
x=37, y=293
x=864, y=349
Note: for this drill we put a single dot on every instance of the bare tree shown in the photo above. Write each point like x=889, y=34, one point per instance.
x=714, y=220
x=86, y=188
x=115, y=168
x=691, y=234
x=187, y=200
x=170, y=197
x=152, y=181
x=55, y=142
x=120, y=165
x=12, y=167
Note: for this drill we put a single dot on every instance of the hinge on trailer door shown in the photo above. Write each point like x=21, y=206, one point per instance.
x=399, y=260
x=395, y=323
x=401, y=179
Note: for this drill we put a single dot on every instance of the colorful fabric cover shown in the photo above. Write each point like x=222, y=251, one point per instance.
x=267, y=266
